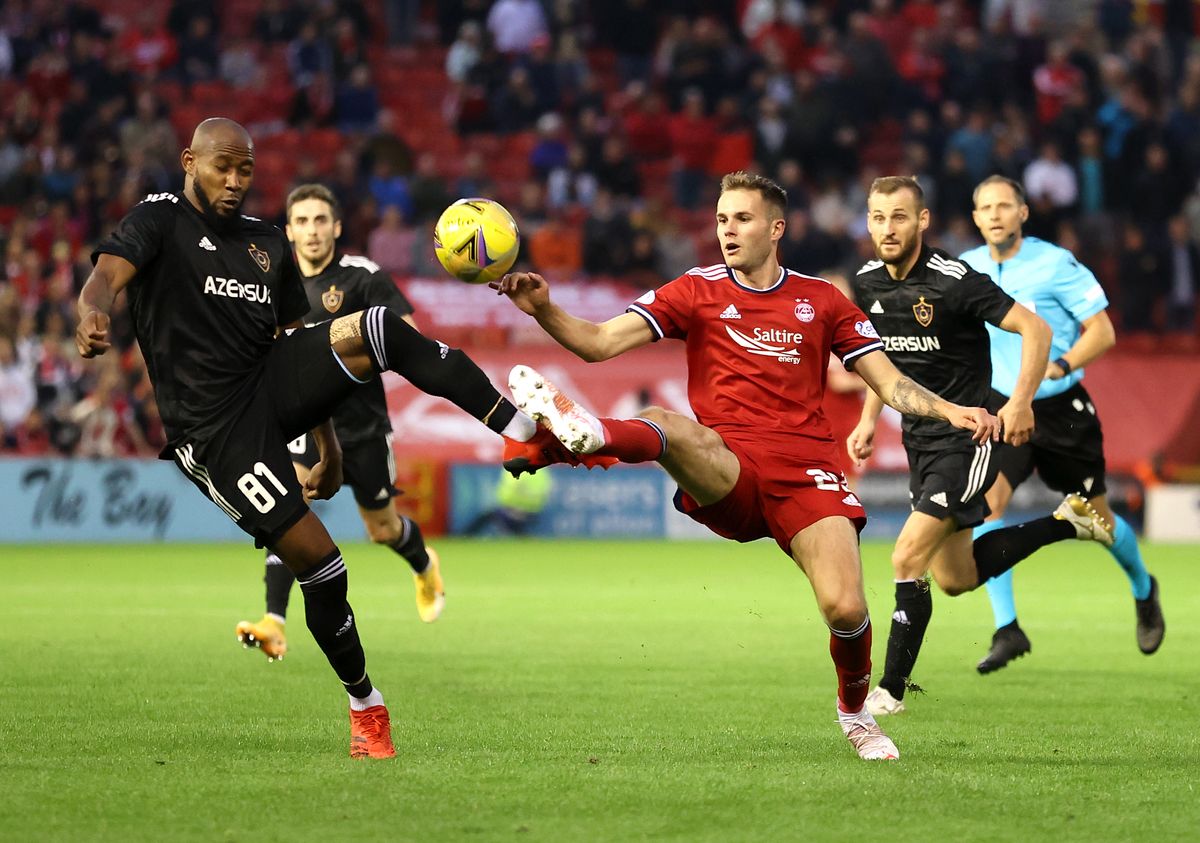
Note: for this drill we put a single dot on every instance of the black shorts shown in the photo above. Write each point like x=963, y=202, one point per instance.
x=1067, y=447
x=368, y=467
x=952, y=481
x=245, y=467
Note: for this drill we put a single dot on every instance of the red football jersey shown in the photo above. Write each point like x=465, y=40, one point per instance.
x=757, y=359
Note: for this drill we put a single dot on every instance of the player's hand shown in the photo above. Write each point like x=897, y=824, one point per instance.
x=528, y=290
x=860, y=444
x=1017, y=422
x=324, y=480
x=91, y=335
x=982, y=424
x=1054, y=372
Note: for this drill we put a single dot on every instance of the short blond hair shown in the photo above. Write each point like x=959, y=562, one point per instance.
x=887, y=185
x=774, y=195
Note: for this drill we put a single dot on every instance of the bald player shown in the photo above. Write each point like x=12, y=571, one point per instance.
x=217, y=304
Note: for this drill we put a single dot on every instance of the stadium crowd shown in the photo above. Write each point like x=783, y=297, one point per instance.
x=603, y=126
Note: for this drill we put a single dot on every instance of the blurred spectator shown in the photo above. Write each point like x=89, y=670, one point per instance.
x=387, y=146
x=309, y=55
x=357, y=102
x=149, y=45
x=183, y=12
x=349, y=50
x=474, y=180
x=1051, y=187
x=427, y=187
x=571, y=184
x=693, y=136
x=974, y=141
x=956, y=187
x=391, y=245
x=550, y=150
x=516, y=24
x=1158, y=193
x=644, y=124
x=806, y=248
x=632, y=31
x=770, y=134
x=516, y=106
x=542, y=72
x=17, y=394
x=1183, y=267
x=556, y=248
x=1054, y=81
x=465, y=52
x=617, y=173
x=277, y=22
x=1144, y=280
x=239, y=65
x=389, y=189
x=151, y=134
x=198, y=53
x=314, y=105
x=607, y=235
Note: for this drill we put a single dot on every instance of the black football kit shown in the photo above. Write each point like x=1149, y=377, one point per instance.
x=932, y=326
x=206, y=301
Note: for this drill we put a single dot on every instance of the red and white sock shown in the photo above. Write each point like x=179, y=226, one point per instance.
x=851, y=653
x=632, y=440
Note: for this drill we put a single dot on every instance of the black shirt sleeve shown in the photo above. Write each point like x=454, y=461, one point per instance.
x=140, y=235
x=382, y=290
x=980, y=296
x=293, y=301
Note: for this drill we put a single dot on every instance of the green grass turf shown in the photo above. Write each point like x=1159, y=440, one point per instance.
x=581, y=691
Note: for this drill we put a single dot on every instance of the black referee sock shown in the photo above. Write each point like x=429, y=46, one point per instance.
x=434, y=367
x=914, y=608
x=411, y=545
x=331, y=621
x=999, y=550
x=279, y=579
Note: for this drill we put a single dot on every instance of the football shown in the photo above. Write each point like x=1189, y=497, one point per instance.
x=476, y=240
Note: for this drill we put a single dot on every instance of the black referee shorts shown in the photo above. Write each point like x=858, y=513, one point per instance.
x=368, y=467
x=951, y=480
x=244, y=466
x=1067, y=446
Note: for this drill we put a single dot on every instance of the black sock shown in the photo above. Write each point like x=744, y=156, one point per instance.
x=279, y=579
x=331, y=621
x=914, y=608
x=433, y=367
x=999, y=550
x=411, y=545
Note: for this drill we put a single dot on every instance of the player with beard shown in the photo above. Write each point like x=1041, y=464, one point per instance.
x=932, y=311
x=210, y=293
x=760, y=460
x=337, y=284
x=1067, y=447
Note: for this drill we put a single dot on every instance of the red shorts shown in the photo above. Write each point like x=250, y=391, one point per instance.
x=776, y=496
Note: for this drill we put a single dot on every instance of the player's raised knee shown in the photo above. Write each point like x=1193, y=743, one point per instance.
x=955, y=583
x=844, y=612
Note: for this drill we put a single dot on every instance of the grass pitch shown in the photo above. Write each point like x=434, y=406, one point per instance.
x=582, y=691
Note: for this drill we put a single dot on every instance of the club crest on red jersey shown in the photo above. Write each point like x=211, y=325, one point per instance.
x=332, y=298
x=260, y=257
x=805, y=312
x=923, y=311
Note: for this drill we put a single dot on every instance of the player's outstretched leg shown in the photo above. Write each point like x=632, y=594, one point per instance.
x=307, y=548
x=1150, y=624
x=627, y=440
x=1009, y=642
x=269, y=633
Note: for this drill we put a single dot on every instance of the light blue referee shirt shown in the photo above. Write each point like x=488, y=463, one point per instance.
x=1049, y=281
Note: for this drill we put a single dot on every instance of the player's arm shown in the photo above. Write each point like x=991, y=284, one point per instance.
x=1016, y=416
x=1098, y=336
x=110, y=276
x=589, y=341
x=889, y=386
x=326, y=476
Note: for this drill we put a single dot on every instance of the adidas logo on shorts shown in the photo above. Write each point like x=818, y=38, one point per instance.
x=939, y=499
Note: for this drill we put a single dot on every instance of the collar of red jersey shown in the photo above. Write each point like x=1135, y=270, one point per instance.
x=733, y=277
